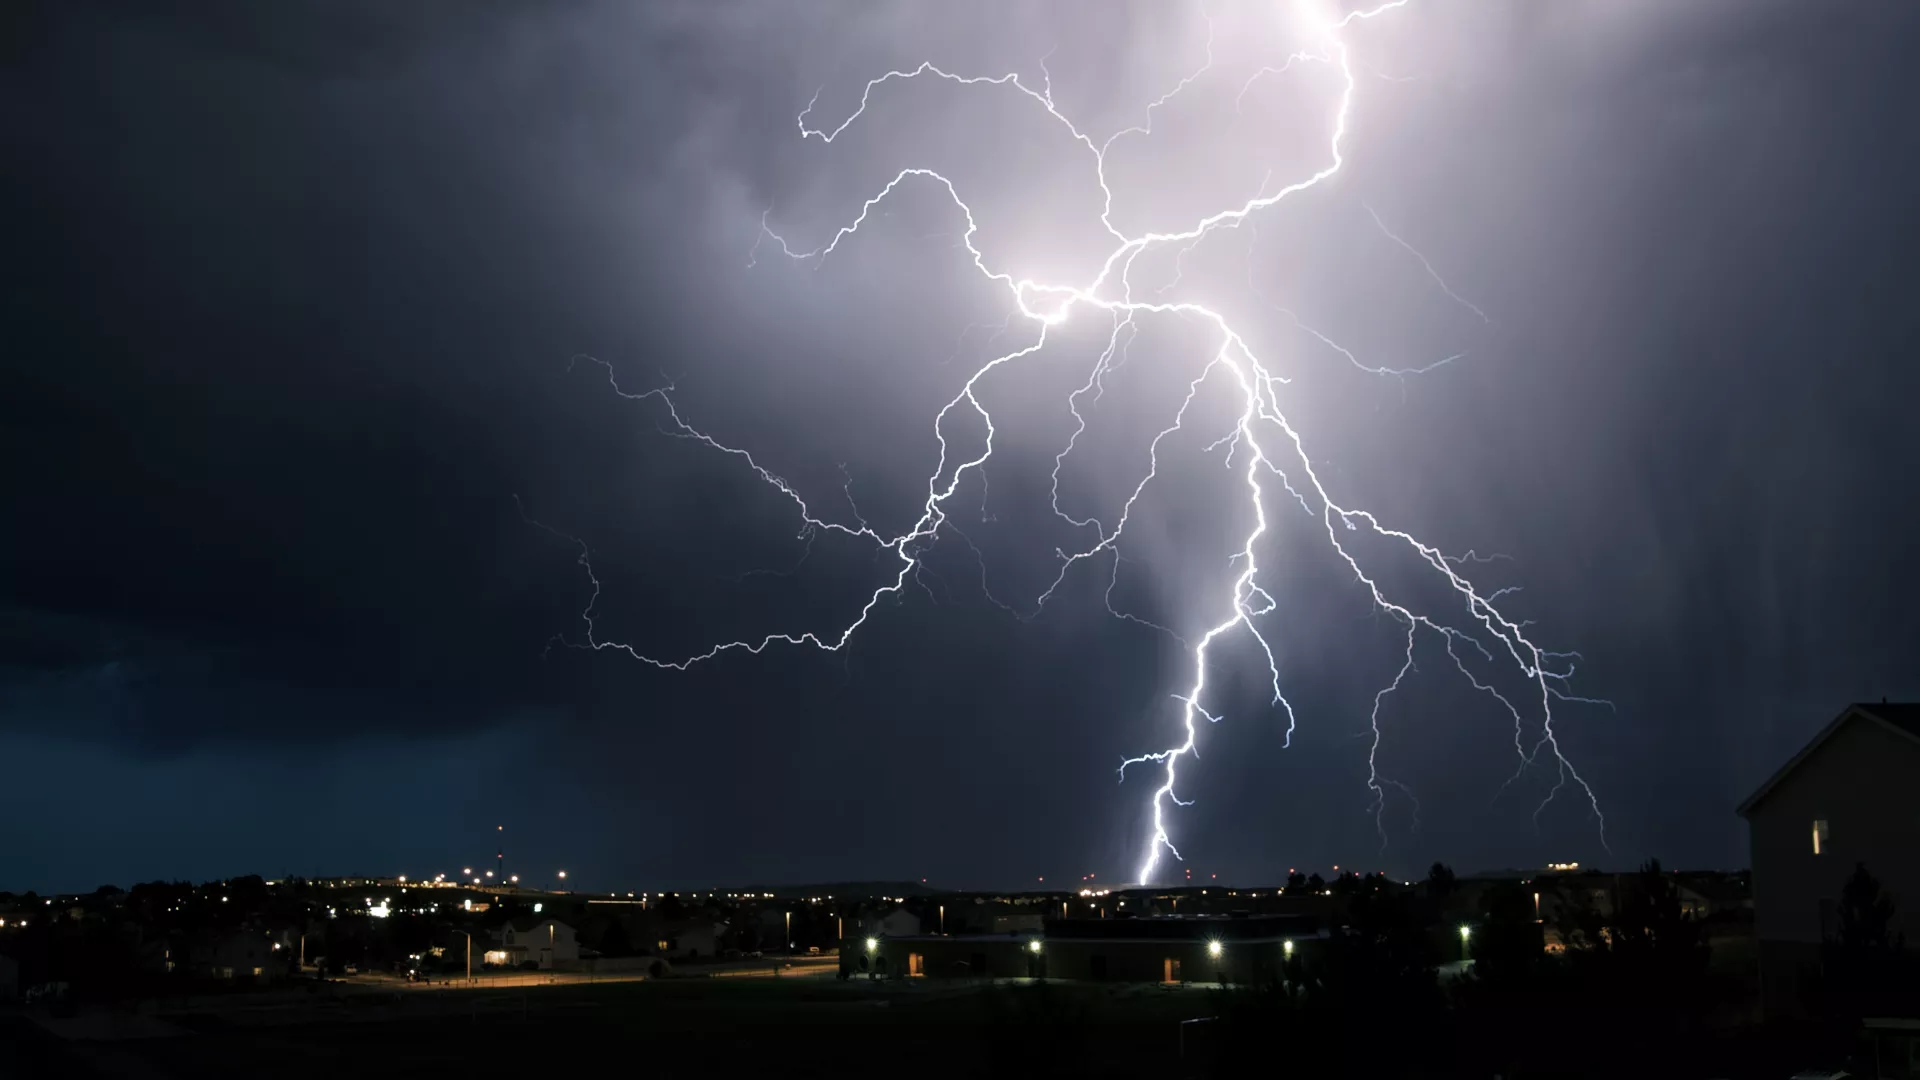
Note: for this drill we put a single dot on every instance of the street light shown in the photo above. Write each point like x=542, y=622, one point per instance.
x=1033, y=946
x=873, y=943
x=1214, y=948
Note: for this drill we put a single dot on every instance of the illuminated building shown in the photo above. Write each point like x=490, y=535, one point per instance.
x=1159, y=949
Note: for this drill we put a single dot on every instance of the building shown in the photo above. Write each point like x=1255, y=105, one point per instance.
x=697, y=939
x=1850, y=797
x=245, y=954
x=547, y=943
x=1158, y=949
x=896, y=923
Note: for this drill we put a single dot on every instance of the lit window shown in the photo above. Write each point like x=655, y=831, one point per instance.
x=1819, y=835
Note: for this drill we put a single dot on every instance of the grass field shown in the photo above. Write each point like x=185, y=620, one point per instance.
x=795, y=1027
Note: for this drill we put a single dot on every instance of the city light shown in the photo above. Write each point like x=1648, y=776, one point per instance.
x=563, y=877
x=1287, y=947
x=1214, y=949
x=1465, y=932
x=1033, y=946
x=873, y=943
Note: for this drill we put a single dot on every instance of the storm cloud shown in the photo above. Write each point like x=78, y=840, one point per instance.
x=296, y=294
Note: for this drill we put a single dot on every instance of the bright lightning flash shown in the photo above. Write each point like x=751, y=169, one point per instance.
x=1271, y=446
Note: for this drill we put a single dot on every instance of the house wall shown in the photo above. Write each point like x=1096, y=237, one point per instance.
x=698, y=942
x=1861, y=782
x=559, y=947
x=941, y=957
x=1142, y=961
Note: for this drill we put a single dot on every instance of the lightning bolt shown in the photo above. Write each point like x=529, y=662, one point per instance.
x=1263, y=447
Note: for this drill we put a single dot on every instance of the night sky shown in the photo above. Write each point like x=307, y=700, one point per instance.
x=295, y=292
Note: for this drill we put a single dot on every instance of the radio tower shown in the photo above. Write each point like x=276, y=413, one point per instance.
x=500, y=857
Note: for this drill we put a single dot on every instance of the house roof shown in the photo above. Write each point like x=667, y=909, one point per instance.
x=527, y=924
x=1903, y=718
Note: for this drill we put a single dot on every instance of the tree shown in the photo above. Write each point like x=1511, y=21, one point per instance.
x=1867, y=966
x=1326, y=1012
x=1440, y=881
x=1296, y=883
x=1506, y=946
x=1653, y=936
x=615, y=941
x=1866, y=913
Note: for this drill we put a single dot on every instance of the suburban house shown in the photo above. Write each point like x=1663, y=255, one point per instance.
x=244, y=954
x=1850, y=798
x=896, y=923
x=693, y=940
x=1169, y=949
x=546, y=942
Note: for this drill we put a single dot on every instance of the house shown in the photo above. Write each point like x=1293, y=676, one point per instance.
x=896, y=923
x=1850, y=797
x=241, y=954
x=1251, y=950
x=548, y=943
x=698, y=939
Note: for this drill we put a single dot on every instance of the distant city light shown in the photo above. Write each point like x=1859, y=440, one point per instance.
x=403, y=879
x=1214, y=948
x=536, y=909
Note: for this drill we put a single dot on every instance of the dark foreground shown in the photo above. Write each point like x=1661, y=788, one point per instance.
x=797, y=1027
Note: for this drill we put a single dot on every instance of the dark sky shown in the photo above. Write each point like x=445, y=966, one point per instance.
x=293, y=290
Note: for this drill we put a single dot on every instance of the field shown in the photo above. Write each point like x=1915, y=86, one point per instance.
x=797, y=1027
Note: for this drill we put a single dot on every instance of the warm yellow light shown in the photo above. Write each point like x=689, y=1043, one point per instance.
x=1214, y=949
x=1465, y=931
x=1287, y=947
x=873, y=943
x=1033, y=946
